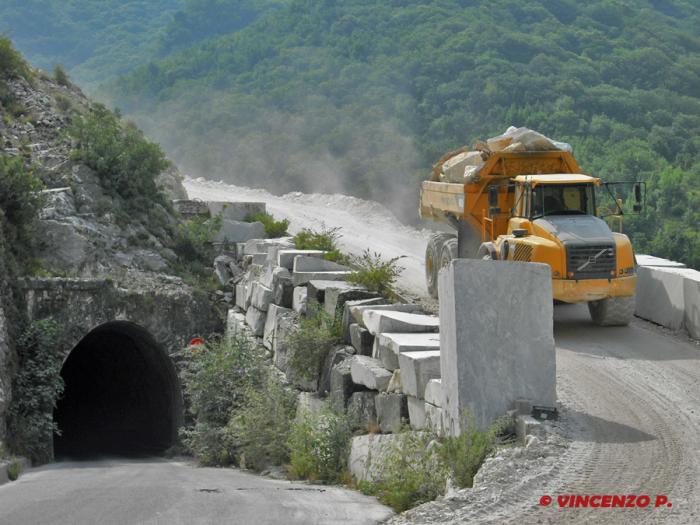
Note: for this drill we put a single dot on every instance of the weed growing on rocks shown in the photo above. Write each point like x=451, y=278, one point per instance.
x=273, y=229
x=36, y=387
x=217, y=378
x=318, y=447
x=309, y=345
x=374, y=272
x=263, y=425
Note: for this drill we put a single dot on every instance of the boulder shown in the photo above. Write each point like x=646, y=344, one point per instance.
x=274, y=313
x=242, y=296
x=392, y=411
x=362, y=341
x=369, y=372
x=382, y=321
x=286, y=324
x=357, y=311
x=436, y=420
x=416, y=413
x=388, y=346
x=235, y=231
x=369, y=452
x=301, y=278
x=660, y=297
x=283, y=292
x=261, y=297
x=341, y=386
x=453, y=168
x=317, y=290
x=433, y=393
x=256, y=320
x=336, y=356
x=299, y=299
x=336, y=297
x=308, y=404
x=222, y=268
x=236, y=324
x=362, y=411
x=395, y=385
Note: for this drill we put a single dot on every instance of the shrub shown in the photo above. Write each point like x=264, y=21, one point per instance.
x=36, y=387
x=192, y=242
x=273, y=228
x=20, y=201
x=125, y=161
x=309, y=345
x=318, y=447
x=63, y=103
x=465, y=453
x=374, y=272
x=411, y=473
x=216, y=378
x=11, y=62
x=325, y=239
x=60, y=76
x=263, y=425
x=14, y=470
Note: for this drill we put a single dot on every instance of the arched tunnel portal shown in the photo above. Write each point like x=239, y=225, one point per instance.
x=122, y=395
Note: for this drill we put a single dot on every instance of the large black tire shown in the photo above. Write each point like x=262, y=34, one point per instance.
x=613, y=311
x=468, y=241
x=448, y=253
x=433, y=254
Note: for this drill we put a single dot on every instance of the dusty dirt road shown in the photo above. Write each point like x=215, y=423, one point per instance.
x=157, y=491
x=630, y=397
x=364, y=224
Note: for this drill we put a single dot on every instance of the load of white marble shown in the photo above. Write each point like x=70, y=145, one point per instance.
x=464, y=167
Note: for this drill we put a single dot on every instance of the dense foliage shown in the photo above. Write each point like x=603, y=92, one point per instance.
x=94, y=40
x=36, y=387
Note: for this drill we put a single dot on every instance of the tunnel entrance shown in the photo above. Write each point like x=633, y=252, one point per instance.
x=122, y=396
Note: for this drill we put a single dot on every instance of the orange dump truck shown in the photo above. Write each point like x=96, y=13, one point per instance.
x=536, y=206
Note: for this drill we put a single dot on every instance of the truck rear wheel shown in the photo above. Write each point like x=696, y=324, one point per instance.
x=613, y=311
x=433, y=257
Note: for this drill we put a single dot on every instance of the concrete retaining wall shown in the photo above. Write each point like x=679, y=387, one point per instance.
x=496, y=338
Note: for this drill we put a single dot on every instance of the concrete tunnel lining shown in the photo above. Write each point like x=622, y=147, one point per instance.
x=122, y=395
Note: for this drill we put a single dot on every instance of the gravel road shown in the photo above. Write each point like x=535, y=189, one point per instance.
x=630, y=397
x=155, y=492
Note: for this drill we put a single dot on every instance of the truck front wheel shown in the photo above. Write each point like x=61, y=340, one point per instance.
x=433, y=260
x=613, y=311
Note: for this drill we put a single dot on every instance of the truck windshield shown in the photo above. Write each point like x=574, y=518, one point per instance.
x=562, y=199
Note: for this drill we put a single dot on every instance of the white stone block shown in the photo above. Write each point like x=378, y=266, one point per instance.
x=241, y=296
x=435, y=420
x=236, y=324
x=416, y=413
x=503, y=349
x=388, y=346
x=256, y=321
x=417, y=368
x=382, y=321
x=369, y=372
x=261, y=297
x=658, y=262
x=274, y=313
x=299, y=299
x=691, y=299
x=301, y=278
x=235, y=211
x=434, y=394
x=303, y=263
x=285, y=258
x=660, y=296
x=368, y=452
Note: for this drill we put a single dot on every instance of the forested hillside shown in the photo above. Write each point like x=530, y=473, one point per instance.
x=93, y=39
x=363, y=96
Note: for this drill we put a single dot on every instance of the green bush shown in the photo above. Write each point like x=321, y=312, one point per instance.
x=262, y=426
x=374, y=272
x=192, y=242
x=20, y=202
x=325, y=239
x=418, y=465
x=318, y=447
x=60, y=76
x=273, y=229
x=125, y=161
x=11, y=62
x=216, y=379
x=14, y=470
x=308, y=346
x=411, y=473
x=36, y=387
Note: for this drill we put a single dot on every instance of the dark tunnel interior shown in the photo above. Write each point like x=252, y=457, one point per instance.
x=121, y=398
